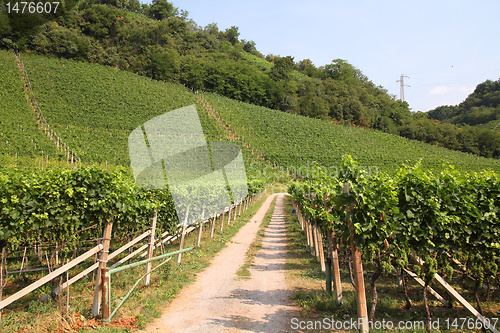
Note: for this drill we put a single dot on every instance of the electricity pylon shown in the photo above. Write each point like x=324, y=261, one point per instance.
x=402, y=88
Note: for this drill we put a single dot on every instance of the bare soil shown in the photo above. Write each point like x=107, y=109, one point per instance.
x=219, y=302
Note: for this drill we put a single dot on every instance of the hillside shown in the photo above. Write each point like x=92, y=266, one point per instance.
x=479, y=108
x=471, y=126
x=94, y=108
x=161, y=42
x=19, y=133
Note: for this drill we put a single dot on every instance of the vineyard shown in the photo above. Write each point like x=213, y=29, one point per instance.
x=57, y=216
x=18, y=129
x=416, y=223
x=424, y=220
x=52, y=219
x=295, y=142
x=93, y=108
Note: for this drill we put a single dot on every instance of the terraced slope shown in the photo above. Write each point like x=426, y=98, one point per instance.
x=94, y=108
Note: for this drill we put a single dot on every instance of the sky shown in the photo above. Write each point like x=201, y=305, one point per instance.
x=445, y=48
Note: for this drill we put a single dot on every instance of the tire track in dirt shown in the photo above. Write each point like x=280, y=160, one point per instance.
x=217, y=302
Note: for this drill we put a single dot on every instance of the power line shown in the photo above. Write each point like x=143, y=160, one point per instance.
x=402, y=88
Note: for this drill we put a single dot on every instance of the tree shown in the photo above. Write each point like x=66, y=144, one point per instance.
x=231, y=35
x=212, y=29
x=164, y=65
x=161, y=10
x=282, y=68
x=341, y=70
x=249, y=46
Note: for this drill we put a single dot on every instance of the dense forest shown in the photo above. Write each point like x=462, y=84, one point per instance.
x=473, y=123
x=161, y=42
x=481, y=107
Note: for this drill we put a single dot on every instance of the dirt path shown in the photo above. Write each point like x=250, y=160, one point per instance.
x=217, y=302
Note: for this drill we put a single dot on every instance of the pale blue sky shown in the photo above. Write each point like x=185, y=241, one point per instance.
x=445, y=47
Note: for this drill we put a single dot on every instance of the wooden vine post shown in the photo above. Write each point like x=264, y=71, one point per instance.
x=301, y=218
x=315, y=239
x=311, y=238
x=103, y=260
x=183, y=235
x=151, y=247
x=321, y=252
x=212, y=225
x=229, y=215
x=358, y=277
x=333, y=265
x=222, y=220
x=200, y=231
x=106, y=289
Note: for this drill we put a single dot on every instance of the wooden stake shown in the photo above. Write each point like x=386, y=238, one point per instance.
x=106, y=238
x=222, y=220
x=212, y=226
x=316, y=239
x=183, y=234
x=432, y=291
x=337, y=283
x=306, y=231
x=200, y=231
x=229, y=215
x=321, y=250
x=147, y=278
x=67, y=290
x=106, y=288
x=312, y=244
x=358, y=279
x=181, y=243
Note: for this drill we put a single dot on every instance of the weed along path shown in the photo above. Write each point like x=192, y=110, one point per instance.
x=220, y=302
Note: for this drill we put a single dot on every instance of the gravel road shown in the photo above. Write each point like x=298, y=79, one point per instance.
x=218, y=302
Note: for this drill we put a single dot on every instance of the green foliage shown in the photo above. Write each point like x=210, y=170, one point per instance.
x=439, y=217
x=468, y=126
x=480, y=107
x=68, y=206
